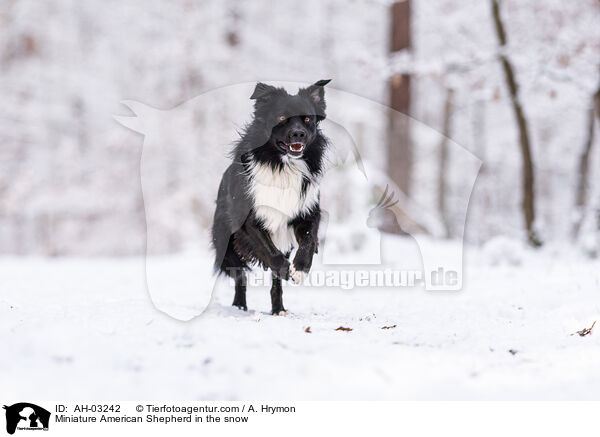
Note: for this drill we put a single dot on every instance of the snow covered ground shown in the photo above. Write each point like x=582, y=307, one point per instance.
x=87, y=329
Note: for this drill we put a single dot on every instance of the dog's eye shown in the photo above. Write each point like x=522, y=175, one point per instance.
x=307, y=119
x=282, y=118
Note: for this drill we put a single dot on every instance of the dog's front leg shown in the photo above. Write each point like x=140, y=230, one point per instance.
x=306, y=231
x=276, y=260
x=253, y=242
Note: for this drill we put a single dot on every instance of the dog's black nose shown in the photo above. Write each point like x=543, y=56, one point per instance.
x=298, y=135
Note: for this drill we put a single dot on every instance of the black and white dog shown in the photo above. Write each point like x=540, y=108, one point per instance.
x=268, y=200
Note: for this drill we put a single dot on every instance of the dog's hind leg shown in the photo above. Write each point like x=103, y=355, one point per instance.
x=277, y=296
x=241, y=279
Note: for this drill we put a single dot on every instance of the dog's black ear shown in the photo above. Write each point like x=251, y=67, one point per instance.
x=262, y=91
x=316, y=93
x=316, y=90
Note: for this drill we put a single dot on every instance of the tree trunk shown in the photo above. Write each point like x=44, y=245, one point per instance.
x=443, y=163
x=597, y=108
x=584, y=163
x=400, y=154
x=528, y=203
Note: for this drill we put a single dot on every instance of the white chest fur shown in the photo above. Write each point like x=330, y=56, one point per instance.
x=278, y=198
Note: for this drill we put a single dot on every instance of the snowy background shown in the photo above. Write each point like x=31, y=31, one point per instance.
x=76, y=329
x=74, y=300
x=69, y=179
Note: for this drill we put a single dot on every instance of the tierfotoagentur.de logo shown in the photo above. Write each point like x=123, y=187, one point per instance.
x=24, y=416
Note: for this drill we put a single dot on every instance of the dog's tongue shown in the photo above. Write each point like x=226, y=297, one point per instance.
x=296, y=147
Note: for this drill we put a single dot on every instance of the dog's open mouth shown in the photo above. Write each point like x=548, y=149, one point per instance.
x=294, y=148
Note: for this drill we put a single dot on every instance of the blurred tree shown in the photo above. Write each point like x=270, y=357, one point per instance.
x=581, y=196
x=528, y=204
x=443, y=161
x=400, y=154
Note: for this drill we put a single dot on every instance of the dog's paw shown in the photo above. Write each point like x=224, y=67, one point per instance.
x=297, y=276
x=303, y=260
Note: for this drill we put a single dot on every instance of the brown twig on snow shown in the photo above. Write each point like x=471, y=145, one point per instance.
x=585, y=331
